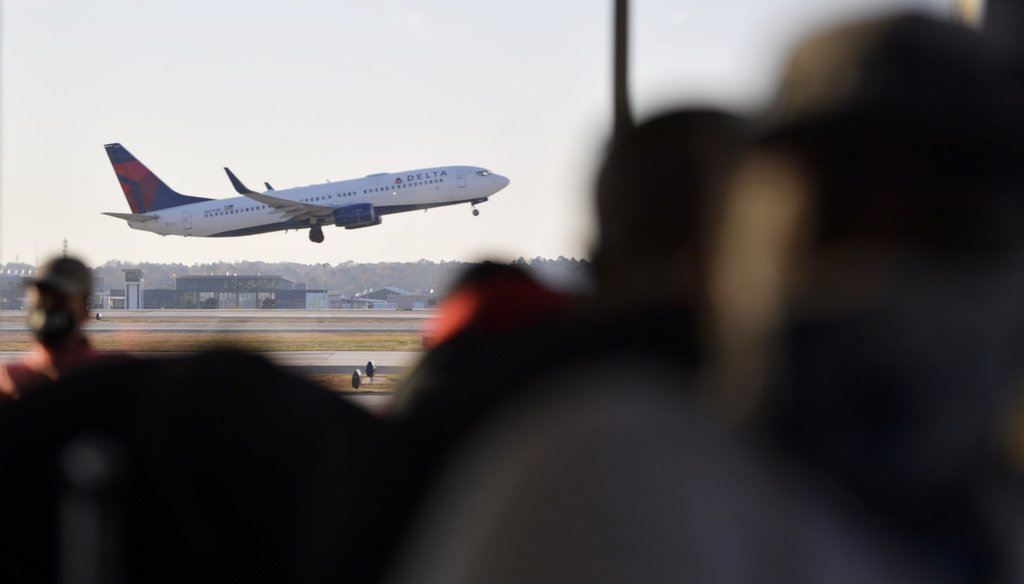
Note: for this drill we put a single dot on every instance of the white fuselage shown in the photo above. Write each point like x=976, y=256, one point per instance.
x=387, y=192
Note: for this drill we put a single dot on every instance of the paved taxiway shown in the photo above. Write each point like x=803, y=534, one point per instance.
x=243, y=321
x=307, y=361
x=239, y=327
x=276, y=314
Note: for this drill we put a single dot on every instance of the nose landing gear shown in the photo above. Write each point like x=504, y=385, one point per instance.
x=316, y=235
x=473, y=203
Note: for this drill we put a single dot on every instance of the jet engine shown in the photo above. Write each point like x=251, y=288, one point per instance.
x=355, y=216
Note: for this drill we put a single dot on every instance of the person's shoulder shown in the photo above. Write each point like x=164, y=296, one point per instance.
x=18, y=376
x=7, y=392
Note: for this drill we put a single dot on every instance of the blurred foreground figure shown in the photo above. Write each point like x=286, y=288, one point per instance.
x=484, y=343
x=469, y=341
x=522, y=344
x=901, y=355
x=494, y=298
x=658, y=190
x=59, y=298
x=215, y=467
x=659, y=193
x=866, y=292
x=631, y=350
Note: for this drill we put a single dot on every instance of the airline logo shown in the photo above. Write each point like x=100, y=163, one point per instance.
x=426, y=175
x=139, y=185
x=398, y=181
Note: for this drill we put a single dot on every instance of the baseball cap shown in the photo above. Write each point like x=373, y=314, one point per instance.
x=907, y=131
x=65, y=275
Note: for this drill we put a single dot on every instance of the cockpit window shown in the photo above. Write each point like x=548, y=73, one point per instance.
x=483, y=172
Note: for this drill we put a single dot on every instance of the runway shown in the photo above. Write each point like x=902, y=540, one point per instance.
x=307, y=361
x=243, y=321
x=276, y=314
x=239, y=327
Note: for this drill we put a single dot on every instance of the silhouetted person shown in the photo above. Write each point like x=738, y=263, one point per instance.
x=495, y=298
x=59, y=305
x=218, y=467
x=658, y=195
x=901, y=352
x=879, y=228
x=639, y=332
x=481, y=345
x=480, y=330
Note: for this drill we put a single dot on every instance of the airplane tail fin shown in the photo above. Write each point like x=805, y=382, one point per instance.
x=143, y=189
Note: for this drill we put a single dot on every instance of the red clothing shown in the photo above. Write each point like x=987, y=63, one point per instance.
x=44, y=364
x=503, y=301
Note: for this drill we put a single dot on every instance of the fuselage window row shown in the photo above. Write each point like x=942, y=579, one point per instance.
x=340, y=195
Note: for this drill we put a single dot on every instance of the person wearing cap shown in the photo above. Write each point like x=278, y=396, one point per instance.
x=59, y=297
x=895, y=344
x=863, y=280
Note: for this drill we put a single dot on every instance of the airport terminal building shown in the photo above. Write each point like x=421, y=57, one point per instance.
x=231, y=291
x=12, y=292
x=243, y=292
x=224, y=292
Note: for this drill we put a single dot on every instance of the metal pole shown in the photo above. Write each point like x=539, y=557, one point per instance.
x=623, y=116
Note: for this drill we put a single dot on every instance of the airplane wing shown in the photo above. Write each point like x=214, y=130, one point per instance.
x=286, y=207
x=141, y=217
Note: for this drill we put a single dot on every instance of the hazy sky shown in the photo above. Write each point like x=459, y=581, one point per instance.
x=297, y=93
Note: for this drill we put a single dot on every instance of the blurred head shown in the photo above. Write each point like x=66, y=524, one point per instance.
x=657, y=196
x=900, y=128
x=494, y=298
x=900, y=262
x=59, y=300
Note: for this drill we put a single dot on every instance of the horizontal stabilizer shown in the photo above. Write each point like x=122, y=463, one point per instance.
x=140, y=217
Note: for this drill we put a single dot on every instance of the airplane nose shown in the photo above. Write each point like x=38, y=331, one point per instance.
x=500, y=182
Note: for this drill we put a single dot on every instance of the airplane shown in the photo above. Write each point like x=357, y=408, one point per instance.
x=351, y=204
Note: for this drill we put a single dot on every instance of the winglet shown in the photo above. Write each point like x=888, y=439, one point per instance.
x=239, y=187
x=266, y=184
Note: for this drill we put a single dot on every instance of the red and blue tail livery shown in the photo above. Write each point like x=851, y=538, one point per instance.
x=143, y=189
x=350, y=204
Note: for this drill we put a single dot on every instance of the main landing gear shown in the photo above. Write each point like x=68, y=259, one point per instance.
x=316, y=235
